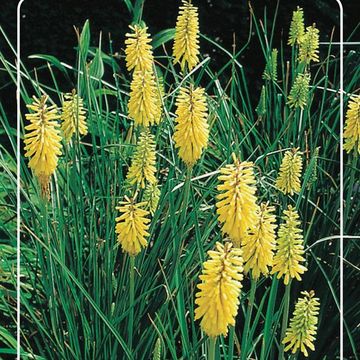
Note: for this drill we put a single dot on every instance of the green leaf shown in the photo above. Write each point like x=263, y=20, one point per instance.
x=97, y=66
x=101, y=92
x=163, y=37
x=137, y=10
x=129, y=6
x=7, y=338
x=85, y=40
x=51, y=60
x=105, y=58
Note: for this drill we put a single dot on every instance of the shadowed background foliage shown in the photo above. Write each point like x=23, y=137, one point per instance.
x=48, y=26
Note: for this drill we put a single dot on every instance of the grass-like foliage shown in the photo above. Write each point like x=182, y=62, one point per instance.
x=84, y=295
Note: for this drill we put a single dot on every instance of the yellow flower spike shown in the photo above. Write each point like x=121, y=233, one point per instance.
x=132, y=226
x=236, y=203
x=288, y=180
x=192, y=130
x=352, y=125
x=73, y=116
x=139, y=55
x=143, y=163
x=303, y=324
x=152, y=196
x=297, y=27
x=42, y=140
x=218, y=297
x=289, y=248
x=143, y=104
x=299, y=92
x=309, y=45
x=259, y=244
x=186, y=39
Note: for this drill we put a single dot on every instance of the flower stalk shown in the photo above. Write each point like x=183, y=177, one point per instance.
x=285, y=317
x=245, y=338
x=131, y=300
x=212, y=348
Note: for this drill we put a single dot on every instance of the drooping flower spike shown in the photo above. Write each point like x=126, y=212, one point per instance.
x=299, y=93
x=288, y=180
x=218, y=297
x=192, y=130
x=139, y=55
x=297, y=27
x=132, y=226
x=143, y=165
x=309, y=45
x=144, y=107
x=42, y=140
x=352, y=125
x=73, y=116
x=186, y=39
x=300, y=335
x=259, y=243
x=236, y=203
x=288, y=259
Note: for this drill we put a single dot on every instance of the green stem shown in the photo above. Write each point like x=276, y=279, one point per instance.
x=245, y=338
x=299, y=128
x=351, y=192
x=231, y=342
x=285, y=318
x=290, y=120
x=212, y=346
x=177, y=251
x=185, y=202
x=269, y=320
x=132, y=296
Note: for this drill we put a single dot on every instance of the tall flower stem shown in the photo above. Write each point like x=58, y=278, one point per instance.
x=185, y=202
x=212, y=347
x=265, y=347
x=231, y=342
x=177, y=253
x=245, y=337
x=131, y=304
x=351, y=187
x=300, y=125
x=285, y=318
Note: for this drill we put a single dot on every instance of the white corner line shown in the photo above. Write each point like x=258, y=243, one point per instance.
x=341, y=180
x=347, y=43
x=18, y=203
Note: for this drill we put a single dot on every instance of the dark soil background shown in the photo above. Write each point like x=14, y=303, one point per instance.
x=47, y=27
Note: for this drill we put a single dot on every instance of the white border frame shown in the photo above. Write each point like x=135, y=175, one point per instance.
x=341, y=89
x=18, y=202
